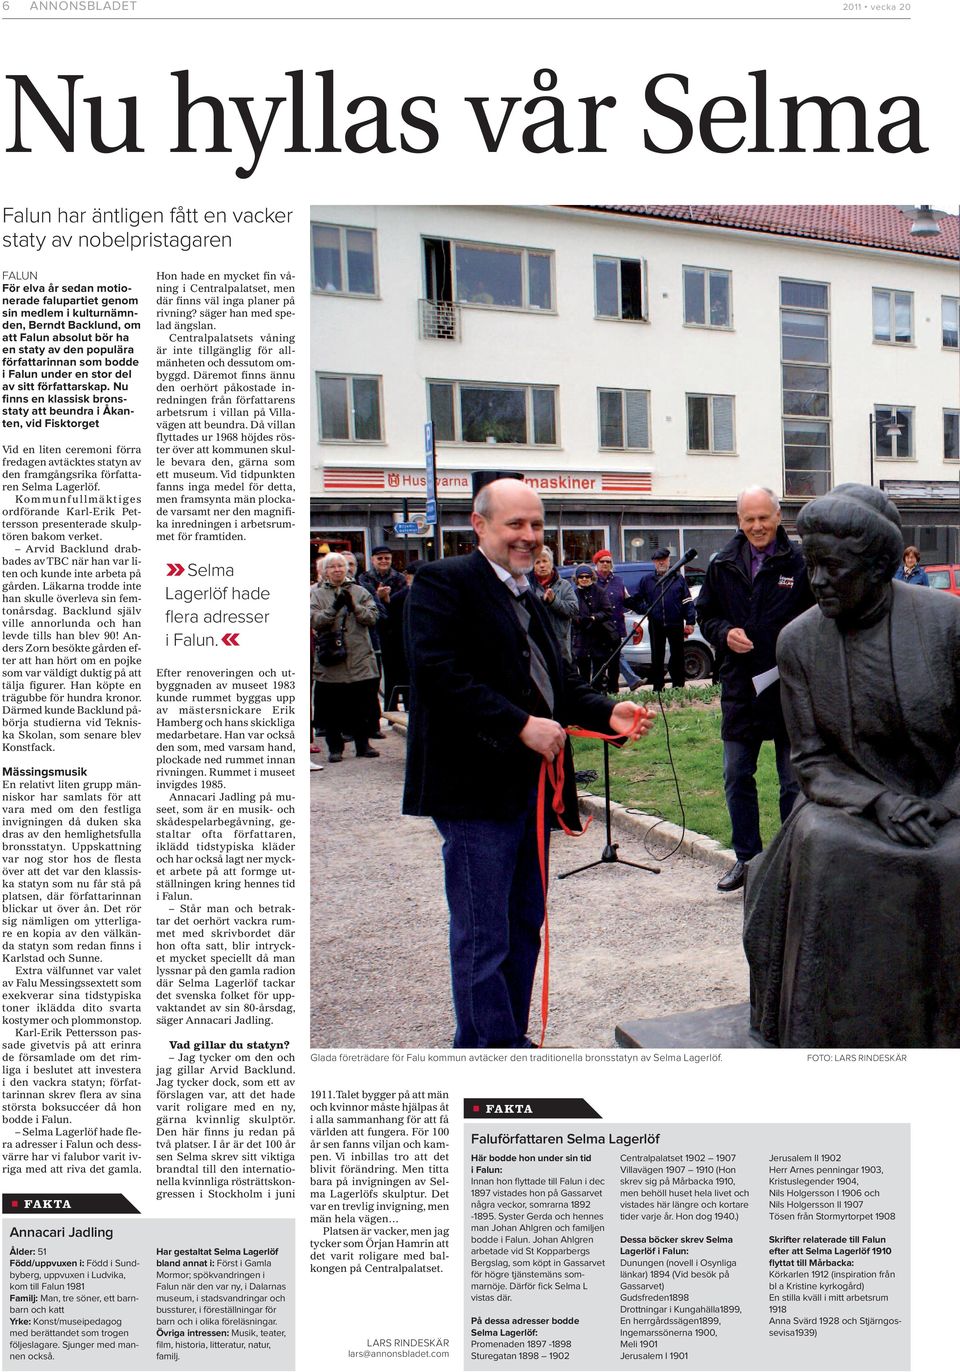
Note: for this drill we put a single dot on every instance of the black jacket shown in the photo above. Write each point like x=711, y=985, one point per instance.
x=388, y=629
x=471, y=694
x=728, y=600
x=594, y=625
x=676, y=607
x=371, y=581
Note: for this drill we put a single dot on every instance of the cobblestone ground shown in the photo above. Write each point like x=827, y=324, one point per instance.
x=624, y=944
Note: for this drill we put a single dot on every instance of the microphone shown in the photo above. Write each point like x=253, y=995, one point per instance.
x=688, y=556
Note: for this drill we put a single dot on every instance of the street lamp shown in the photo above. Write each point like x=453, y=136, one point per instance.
x=924, y=220
x=890, y=427
x=925, y=223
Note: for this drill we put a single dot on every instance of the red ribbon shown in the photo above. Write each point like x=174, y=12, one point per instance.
x=552, y=772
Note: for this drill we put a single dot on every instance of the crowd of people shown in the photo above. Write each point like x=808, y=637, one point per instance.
x=365, y=610
x=494, y=653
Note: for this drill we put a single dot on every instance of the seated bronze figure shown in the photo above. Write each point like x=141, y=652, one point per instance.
x=852, y=915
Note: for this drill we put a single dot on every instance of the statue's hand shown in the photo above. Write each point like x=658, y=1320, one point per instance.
x=939, y=814
x=909, y=819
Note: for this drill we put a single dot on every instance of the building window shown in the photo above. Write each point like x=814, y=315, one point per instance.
x=704, y=541
x=710, y=424
x=890, y=445
x=499, y=277
x=892, y=316
x=457, y=541
x=624, y=419
x=343, y=260
x=639, y=543
x=950, y=314
x=803, y=337
x=806, y=457
x=476, y=412
x=349, y=409
x=707, y=542
x=706, y=298
x=620, y=285
x=804, y=295
x=327, y=540
x=579, y=544
x=806, y=390
x=951, y=435
x=805, y=386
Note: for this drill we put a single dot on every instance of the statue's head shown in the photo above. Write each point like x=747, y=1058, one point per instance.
x=852, y=545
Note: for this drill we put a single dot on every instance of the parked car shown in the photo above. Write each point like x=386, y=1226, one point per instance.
x=944, y=577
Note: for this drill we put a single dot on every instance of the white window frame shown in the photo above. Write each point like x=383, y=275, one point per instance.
x=528, y=387
x=955, y=416
x=525, y=254
x=890, y=294
x=343, y=230
x=623, y=447
x=803, y=481
x=350, y=377
x=791, y=333
x=525, y=307
x=711, y=424
x=707, y=272
x=894, y=455
x=804, y=282
x=947, y=301
x=641, y=262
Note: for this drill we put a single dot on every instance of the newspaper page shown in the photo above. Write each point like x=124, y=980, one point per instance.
x=276, y=284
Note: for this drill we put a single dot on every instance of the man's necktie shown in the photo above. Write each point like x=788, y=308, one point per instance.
x=538, y=665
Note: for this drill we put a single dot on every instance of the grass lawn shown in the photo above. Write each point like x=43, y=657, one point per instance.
x=641, y=775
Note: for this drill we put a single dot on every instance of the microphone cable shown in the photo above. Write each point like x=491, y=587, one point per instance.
x=662, y=857
x=670, y=575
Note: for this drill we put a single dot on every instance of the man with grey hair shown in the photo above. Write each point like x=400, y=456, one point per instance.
x=753, y=587
x=490, y=696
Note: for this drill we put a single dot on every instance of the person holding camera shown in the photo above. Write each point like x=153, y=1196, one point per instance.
x=342, y=614
x=388, y=588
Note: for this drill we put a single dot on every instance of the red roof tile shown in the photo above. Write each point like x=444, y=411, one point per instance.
x=869, y=226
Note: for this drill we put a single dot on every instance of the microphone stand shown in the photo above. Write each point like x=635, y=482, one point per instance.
x=610, y=855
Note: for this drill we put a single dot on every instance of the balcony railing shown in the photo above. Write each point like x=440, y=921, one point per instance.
x=440, y=319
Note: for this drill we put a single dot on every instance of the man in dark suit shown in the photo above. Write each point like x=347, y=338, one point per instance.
x=753, y=587
x=490, y=695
